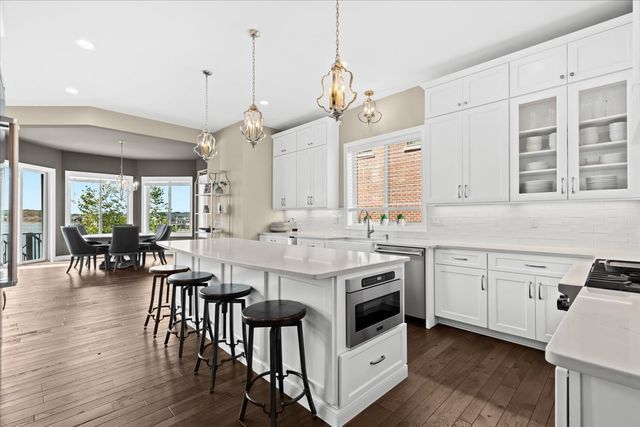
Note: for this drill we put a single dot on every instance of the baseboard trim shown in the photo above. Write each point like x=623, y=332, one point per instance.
x=494, y=334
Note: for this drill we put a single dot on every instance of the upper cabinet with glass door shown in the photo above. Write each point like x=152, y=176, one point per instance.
x=539, y=145
x=602, y=161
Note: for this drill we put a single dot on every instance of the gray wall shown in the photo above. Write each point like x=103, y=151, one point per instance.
x=62, y=161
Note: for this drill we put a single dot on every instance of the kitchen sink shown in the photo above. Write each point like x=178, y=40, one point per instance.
x=361, y=244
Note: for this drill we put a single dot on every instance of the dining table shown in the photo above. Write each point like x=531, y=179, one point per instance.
x=106, y=239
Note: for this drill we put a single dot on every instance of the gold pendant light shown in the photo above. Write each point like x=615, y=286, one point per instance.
x=205, y=142
x=369, y=113
x=337, y=94
x=253, y=124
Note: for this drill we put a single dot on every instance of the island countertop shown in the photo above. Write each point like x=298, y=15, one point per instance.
x=307, y=262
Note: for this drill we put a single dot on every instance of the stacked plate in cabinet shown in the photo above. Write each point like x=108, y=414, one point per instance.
x=538, y=186
x=602, y=182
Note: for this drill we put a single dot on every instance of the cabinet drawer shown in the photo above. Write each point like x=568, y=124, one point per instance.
x=313, y=136
x=475, y=259
x=370, y=363
x=270, y=239
x=531, y=264
x=284, y=144
x=311, y=243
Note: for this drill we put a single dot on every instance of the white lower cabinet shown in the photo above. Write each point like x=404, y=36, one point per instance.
x=512, y=304
x=283, y=240
x=460, y=294
x=311, y=243
x=548, y=316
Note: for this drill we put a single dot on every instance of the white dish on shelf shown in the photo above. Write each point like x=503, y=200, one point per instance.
x=589, y=135
x=533, y=143
x=537, y=186
x=553, y=140
x=537, y=165
x=618, y=130
x=619, y=157
x=602, y=182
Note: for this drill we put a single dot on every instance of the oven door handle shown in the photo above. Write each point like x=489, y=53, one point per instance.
x=409, y=253
x=380, y=360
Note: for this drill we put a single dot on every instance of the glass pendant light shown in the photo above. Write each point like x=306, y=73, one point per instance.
x=369, y=113
x=253, y=124
x=337, y=94
x=205, y=142
x=125, y=185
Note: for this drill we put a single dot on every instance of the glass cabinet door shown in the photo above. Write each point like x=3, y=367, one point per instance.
x=538, y=146
x=600, y=156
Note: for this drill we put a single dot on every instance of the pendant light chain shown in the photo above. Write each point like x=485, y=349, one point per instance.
x=253, y=52
x=337, y=31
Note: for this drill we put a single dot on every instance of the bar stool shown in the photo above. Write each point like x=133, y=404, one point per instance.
x=186, y=281
x=161, y=272
x=224, y=295
x=275, y=314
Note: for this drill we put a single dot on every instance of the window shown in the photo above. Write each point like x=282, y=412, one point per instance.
x=95, y=201
x=167, y=201
x=383, y=175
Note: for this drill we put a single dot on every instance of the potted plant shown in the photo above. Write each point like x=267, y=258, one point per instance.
x=401, y=220
x=384, y=219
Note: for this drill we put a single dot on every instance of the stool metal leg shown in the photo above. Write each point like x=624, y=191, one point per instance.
x=249, y=356
x=205, y=327
x=244, y=330
x=273, y=343
x=172, y=316
x=194, y=300
x=232, y=337
x=153, y=294
x=214, y=354
x=183, y=317
x=303, y=369
x=159, y=308
x=279, y=362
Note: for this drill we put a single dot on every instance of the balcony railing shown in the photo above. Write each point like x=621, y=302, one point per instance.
x=32, y=246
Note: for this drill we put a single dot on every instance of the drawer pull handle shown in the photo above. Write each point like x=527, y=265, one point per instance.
x=535, y=266
x=482, y=283
x=375, y=362
x=530, y=285
x=460, y=259
x=540, y=291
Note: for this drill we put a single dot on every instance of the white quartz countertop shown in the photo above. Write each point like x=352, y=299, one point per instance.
x=313, y=263
x=600, y=336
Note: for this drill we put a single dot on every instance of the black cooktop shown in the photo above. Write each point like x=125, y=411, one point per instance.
x=616, y=275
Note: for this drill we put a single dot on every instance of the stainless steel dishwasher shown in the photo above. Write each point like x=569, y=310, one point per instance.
x=414, y=278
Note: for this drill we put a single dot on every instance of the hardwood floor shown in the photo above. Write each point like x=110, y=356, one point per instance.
x=74, y=351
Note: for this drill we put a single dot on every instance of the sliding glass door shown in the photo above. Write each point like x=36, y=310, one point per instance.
x=33, y=214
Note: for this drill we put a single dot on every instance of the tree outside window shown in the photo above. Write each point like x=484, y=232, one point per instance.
x=98, y=205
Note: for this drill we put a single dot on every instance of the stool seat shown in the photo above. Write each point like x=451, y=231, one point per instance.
x=168, y=269
x=189, y=278
x=274, y=313
x=224, y=291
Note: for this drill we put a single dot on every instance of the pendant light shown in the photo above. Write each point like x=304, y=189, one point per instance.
x=337, y=94
x=125, y=185
x=253, y=124
x=205, y=142
x=369, y=113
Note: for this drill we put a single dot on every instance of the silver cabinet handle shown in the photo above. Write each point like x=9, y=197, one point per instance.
x=311, y=198
x=571, y=74
x=308, y=200
x=539, y=291
x=562, y=185
x=460, y=259
x=459, y=104
x=573, y=185
x=284, y=150
x=530, y=295
x=459, y=191
x=309, y=143
x=561, y=76
x=535, y=266
x=482, y=282
x=466, y=191
x=4, y=300
x=375, y=362
x=465, y=103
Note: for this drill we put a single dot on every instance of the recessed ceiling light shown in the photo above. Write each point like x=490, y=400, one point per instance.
x=85, y=44
x=72, y=90
x=264, y=102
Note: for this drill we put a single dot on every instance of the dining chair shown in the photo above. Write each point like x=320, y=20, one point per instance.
x=163, y=231
x=125, y=242
x=79, y=248
x=83, y=231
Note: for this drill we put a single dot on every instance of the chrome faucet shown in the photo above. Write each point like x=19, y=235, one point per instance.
x=367, y=217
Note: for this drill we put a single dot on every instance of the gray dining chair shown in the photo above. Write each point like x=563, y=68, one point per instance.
x=125, y=242
x=163, y=232
x=83, y=231
x=79, y=249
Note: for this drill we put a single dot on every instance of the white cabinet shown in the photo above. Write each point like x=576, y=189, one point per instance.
x=602, y=161
x=469, y=155
x=470, y=91
x=548, y=316
x=460, y=294
x=284, y=181
x=539, y=146
x=485, y=153
x=539, y=71
x=601, y=53
x=444, y=141
x=283, y=240
x=311, y=243
x=512, y=304
x=305, y=166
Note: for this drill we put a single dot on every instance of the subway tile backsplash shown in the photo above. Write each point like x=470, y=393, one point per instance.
x=597, y=224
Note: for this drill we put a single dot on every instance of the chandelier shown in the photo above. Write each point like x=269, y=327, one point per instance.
x=253, y=124
x=337, y=94
x=205, y=142
x=125, y=185
x=369, y=113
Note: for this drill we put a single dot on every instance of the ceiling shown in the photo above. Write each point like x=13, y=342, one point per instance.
x=149, y=55
x=104, y=142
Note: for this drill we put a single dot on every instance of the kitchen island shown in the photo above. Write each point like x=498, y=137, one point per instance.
x=344, y=380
